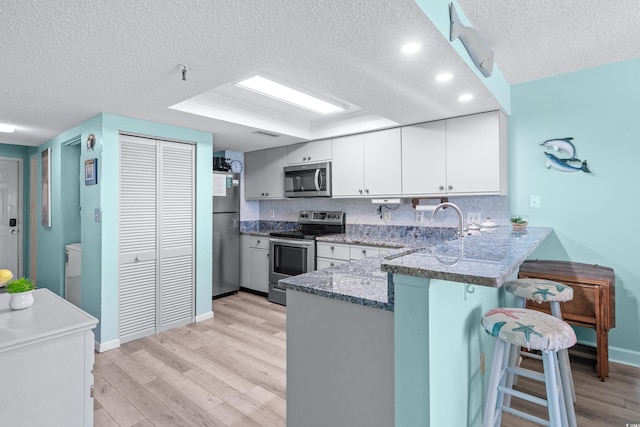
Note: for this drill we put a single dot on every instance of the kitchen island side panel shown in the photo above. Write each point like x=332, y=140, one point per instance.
x=439, y=351
x=339, y=363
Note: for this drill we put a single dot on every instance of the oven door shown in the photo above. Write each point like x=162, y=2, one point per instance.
x=290, y=257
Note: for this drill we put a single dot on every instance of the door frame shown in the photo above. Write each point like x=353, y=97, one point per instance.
x=22, y=226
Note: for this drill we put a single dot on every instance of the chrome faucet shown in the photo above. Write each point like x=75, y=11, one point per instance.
x=455, y=208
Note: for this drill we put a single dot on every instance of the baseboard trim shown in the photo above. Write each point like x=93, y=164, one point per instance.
x=205, y=316
x=105, y=346
x=618, y=355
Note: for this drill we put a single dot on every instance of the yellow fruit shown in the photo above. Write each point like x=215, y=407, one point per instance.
x=5, y=276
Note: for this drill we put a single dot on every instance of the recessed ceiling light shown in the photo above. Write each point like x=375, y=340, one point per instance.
x=286, y=94
x=410, y=48
x=466, y=97
x=7, y=128
x=444, y=77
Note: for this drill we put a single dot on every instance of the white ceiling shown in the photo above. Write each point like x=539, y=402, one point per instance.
x=66, y=61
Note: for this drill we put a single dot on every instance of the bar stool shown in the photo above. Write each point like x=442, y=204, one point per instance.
x=540, y=290
x=536, y=331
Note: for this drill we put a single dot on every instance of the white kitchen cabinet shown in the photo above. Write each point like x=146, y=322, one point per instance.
x=424, y=159
x=46, y=363
x=332, y=254
x=309, y=152
x=254, y=263
x=263, y=173
x=361, y=251
x=367, y=164
x=459, y=156
x=477, y=154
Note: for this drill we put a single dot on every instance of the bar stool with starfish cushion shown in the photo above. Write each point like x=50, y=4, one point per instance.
x=541, y=290
x=536, y=331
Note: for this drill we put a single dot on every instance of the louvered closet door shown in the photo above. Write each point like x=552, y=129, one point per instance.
x=138, y=206
x=176, y=234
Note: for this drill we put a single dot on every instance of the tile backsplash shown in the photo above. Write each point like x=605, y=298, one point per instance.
x=363, y=211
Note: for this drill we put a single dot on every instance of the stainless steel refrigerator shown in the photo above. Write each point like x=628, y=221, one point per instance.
x=226, y=233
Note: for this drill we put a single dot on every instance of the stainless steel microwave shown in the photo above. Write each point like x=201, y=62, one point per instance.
x=308, y=180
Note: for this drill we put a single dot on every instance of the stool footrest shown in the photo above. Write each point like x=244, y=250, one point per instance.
x=526, y=416
x=524, y=396
x=530, y=355
x=527, y=373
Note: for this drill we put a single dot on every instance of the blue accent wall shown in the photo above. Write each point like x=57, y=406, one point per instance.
x=593, y=215
x=100, y=237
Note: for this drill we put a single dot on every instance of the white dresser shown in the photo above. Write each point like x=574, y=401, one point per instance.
x=46, y=362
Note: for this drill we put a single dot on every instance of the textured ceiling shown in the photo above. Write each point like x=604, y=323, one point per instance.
x=543, y=38
x=66, y=61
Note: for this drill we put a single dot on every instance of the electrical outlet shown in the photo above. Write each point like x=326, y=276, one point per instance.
x=419, y=216
x=473, y=218
x=482, y=363
x=534, y=201
x=272, y=214
x=387, y=216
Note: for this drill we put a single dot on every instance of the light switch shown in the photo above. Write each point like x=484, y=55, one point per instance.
x=96, y=215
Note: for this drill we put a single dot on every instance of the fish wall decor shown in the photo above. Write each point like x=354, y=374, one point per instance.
x=477, y=47
x=564, y=145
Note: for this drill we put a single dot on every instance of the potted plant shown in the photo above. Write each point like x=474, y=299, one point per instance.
x=21, y=291
x=519, y=222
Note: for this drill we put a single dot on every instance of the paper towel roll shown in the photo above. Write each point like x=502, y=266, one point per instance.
x=425, y=208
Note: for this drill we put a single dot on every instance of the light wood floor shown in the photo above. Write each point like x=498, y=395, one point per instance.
x=231, y=371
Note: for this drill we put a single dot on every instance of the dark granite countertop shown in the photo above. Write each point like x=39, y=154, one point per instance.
x=488, y=259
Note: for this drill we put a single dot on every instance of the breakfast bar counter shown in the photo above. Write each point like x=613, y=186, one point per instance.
x=413, y=356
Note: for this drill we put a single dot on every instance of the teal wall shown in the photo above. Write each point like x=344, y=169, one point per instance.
x=593, y=215
x=22, y=152
x=100, y=239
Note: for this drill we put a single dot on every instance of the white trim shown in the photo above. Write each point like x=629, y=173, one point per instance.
x=105, y=346
x=205, y=316
x=22, y=225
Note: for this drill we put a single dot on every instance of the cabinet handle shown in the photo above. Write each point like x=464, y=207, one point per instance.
x=137, y=259
x=451, y=187
x=304, y=159
x=331, y=264
x=309, y=158
x=266, y=194
x=366, y=191
x=332, y=248
x=441, y=188
x=364, y=251
x=360, y=191
x=258, y=242
x=262, y=194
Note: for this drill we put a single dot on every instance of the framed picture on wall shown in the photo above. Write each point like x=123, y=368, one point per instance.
x=91, y=172
x=46, y=187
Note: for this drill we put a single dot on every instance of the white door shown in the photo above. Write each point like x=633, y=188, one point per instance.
x=347, y=167
x=382, y=163
x=11, y=215
x=176, y=234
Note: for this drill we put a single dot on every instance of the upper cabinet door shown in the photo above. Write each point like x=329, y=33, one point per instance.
x=383, y=163
x=309, y=152
x=424, y=159
x=347, y=167
x=264, y=173
x=476, y=154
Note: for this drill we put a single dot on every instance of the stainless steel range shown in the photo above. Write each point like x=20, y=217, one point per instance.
x=294, y=252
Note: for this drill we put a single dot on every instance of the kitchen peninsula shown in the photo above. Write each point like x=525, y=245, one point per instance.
x=396, y=340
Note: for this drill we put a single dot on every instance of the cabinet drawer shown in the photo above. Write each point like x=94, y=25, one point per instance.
x=332, y=250
x=360, y=252
x=328, y=262
x=258, y=242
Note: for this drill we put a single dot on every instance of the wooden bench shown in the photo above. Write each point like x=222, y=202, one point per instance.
x=593, y=304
